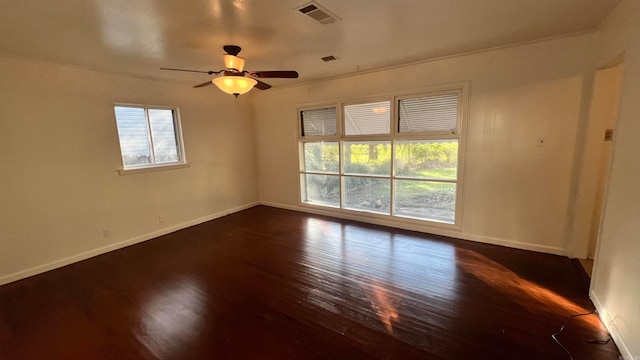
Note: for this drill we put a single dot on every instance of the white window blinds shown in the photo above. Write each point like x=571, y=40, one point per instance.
x=163, y=133
x=367, y=119
x=134, y=135
x=319, y=122
x=437, y=113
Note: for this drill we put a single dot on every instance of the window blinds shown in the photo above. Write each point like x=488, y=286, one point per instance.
x=163, y=133
x=367, y=119
x=134, y=135
x=437, y=113
x=319, y=122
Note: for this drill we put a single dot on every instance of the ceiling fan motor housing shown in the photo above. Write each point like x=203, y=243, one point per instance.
x=232, y=49
x=233, y=62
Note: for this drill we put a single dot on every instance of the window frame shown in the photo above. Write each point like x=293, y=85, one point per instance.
x=153, y=166
x=459, y=133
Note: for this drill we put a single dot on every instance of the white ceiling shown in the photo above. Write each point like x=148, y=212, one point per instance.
x=137, y=37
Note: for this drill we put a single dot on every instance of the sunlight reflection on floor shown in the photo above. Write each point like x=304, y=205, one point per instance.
x=378, y=262
x=524, y=292
x=381, y=304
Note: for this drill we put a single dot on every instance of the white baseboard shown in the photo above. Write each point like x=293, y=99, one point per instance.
x=424, y=229
x=119, y=245
x=613, y=329
x=392, y=223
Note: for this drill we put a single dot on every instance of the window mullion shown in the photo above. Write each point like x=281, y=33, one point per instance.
x=341, y=171
x=149, y=135
x=318, y=172
x=451, y=181
x=176, y=135
x=392, y=197
x=375, y=176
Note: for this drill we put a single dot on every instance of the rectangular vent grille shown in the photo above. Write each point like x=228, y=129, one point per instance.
x=308, y=8
x=329, y=58
x=317, y=13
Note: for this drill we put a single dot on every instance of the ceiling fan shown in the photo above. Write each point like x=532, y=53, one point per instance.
x=234, y=79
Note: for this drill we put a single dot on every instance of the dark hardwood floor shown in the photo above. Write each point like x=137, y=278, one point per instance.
x=268, y=283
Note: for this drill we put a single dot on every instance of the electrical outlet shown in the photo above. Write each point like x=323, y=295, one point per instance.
x=160, y=219
x=106, y=234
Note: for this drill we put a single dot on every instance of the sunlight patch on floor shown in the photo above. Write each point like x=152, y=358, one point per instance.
x=526, y=293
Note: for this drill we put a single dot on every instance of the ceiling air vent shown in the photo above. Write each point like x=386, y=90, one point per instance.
x=329, y=58
x=317, y=13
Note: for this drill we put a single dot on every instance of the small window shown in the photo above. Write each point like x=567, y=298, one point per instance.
x=318, y=122
x=149, y=136
x=435, y=113
x=367, y=119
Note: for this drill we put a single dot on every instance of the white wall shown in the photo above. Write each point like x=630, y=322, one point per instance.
x=515, y=193
x=615, y=286
x=59, y=152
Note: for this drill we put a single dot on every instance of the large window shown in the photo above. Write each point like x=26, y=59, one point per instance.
x=395, y=157
x=149, y=136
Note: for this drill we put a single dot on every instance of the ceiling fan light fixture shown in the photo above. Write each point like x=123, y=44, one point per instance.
x=234, y=85
x=234, y=62
x=234, y=79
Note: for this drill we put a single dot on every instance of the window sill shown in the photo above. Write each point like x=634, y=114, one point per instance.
x=402, y=222
x=147, y=169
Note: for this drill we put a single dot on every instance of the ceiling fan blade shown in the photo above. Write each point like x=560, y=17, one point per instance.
x=275, y=74
x=210, y=72
x=262, y=86
x=203, y=84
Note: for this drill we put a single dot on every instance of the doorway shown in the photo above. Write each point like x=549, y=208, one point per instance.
x=603, y=114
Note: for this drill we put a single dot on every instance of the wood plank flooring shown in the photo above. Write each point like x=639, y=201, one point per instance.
x=267, y=283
